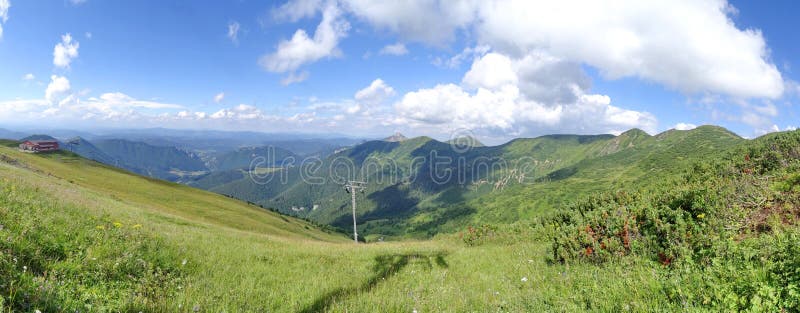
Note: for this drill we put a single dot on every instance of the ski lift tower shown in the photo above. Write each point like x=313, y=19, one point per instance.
x=352, y=187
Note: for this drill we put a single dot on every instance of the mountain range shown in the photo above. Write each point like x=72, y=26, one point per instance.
x=416, y=187
x=419, y=187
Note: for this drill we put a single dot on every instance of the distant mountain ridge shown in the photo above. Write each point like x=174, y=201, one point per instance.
x=535, y=174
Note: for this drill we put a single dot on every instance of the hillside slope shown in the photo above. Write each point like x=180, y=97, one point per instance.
x=419, y=187
x=82, y=236
x=168, y=163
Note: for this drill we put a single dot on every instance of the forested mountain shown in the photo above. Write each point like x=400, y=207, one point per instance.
x=420, y=186
x=163, y=162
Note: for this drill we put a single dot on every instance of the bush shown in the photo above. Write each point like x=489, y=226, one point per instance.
x=477, y=235
x=726, y=230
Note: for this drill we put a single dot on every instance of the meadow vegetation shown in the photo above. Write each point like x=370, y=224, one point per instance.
x=79, y=236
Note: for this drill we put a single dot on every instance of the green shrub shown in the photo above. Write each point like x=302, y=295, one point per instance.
x=726, y=230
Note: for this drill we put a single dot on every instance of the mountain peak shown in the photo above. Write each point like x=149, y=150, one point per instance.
x=467, y=141
x=397, y=137
x=635, y=132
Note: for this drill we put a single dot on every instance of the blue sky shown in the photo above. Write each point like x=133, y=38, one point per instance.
x=497, y=69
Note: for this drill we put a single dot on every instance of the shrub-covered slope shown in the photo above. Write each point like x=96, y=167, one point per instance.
x=727, y=228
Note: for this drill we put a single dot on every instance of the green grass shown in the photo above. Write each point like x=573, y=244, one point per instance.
x=200, y=251
x=216, y=254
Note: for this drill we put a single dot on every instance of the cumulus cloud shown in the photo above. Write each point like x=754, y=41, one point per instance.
x=691, y=46
x=4, y=5
x=684, y=126
x=375, y=93
x=395, y=49
x=431, y=21
x=65, y=51
x=492, y=99
x=219, y=97
x=529, y=58
x=233, y=31
x=491, y=71
x=58, y=87
x=240, y=112
x=28, y=77
x=302, y=49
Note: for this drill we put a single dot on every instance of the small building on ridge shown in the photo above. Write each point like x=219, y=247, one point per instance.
x=39, y=145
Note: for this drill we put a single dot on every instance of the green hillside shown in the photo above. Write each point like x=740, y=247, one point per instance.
x=719, y=235
x=168, y=163
x=420, y=187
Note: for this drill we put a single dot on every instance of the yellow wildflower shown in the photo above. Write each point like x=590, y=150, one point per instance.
x=701, y=216
x=100, y=227
x=137, y=226
x=117, y=224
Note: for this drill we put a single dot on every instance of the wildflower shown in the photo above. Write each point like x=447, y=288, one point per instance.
x=137, y=226
x=701, y=216
x=183, y=262
x=117, y=224
x=100, y=227
x=524, y=279
x=24, y=268
x=37, y=311
x=414, y=311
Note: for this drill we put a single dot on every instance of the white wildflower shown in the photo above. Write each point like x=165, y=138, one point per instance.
x=524, y=279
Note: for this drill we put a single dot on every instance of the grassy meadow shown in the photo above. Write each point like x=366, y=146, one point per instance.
x=76, y=235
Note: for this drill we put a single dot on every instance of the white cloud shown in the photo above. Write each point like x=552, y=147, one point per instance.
x=374, y=94
x=684, y=126
x=4, y=6
x=13, y=110
x=65, y=51
x=495, y=101
x=233, y=31
x=431, y=21
x=491, y=71
x=294, y=77
x=691, y=46
x=88, y=35
x=301, y=49
x=120, y=100
x=240, y=112
x=295, y=10
x=58, y=87
x=77, y=2
x=395, y=49
x=28, y=77
x=219, y=97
